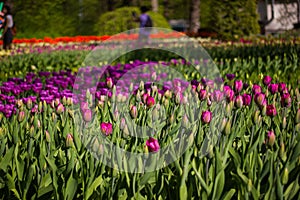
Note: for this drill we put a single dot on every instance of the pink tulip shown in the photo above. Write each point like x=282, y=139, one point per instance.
x=273, y=88
x=239, y=101
x=256, y=89
x=87, y=115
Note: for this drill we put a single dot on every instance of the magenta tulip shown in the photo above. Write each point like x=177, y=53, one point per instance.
x=267, y=80
x=238, y=86
x=271, y=110
x=206, y=116
x=106, y=128
x=152, y=145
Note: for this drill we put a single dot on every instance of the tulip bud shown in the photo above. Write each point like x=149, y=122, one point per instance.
x=249, y=185
x=69, y=101
x=64, y=100
x=264, y=110
x=126, y=131
x=185, y=121
x=122, y=123
x=271, y=138
x=1, y=133
x=284, y=122
x=297, y=128
x=109, y=82
x=228, y=127
x=298, y=116
x=69, y=140
x=53, y=116
x=133, y=112
x=282, y=152
x=19, y=103
x=228, y=109
x=171, y=119
x=285, y=176
x=56, y=102
x=31, y=131
x=47, y=135
x=223, y=124
x=202, y=94
x=239, y=101
x=141, y=86
x=130, y=87
x=21, y=116
x=87, y=115
x=29, y=104
x=60, y=108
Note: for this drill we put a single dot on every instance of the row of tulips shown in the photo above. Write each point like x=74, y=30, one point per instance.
x=61, y=135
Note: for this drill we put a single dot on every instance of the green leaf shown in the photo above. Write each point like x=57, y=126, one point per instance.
x=229, y=195
x=183, y=192
x=71, y=187
x=93, y=187
x=7, y=159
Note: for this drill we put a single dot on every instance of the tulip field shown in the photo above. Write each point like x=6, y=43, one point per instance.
x=160, y=131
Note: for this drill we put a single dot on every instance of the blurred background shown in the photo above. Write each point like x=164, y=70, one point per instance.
x=205, y=18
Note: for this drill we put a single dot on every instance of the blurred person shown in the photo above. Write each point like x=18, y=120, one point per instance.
x=145, y=24
x=7, y=35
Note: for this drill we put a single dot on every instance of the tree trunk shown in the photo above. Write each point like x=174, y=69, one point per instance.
x=195, y=16
x=166, y=8
x=154, y=4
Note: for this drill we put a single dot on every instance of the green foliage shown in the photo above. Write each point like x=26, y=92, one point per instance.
x=121, y=20
x=234, y=19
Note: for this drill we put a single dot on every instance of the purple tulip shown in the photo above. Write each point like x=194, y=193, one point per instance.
x=256, y=89
x=238, y=86
x=273, y=88
x=106, y=128
x=286, y=100
x=281, y=87
x=271, y=138
x=206, y=116
x=229, y=93
x=152, y=145
x=271, y=110
x=267, y=80
x=217, y=96
x=230, y=76
x=247, y=99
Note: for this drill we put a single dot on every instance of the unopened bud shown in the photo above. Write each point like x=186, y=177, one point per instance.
x=298, y=116
x=249, y=185
x=141, y=86
x=185, y=121
x=285, y=176
x=282, y=152
x=228, y=127
x=133, y=112
x=29, y=104
x=298, y=128
x=47, y=135
x=284, y=122
x=69, y=140
x=21, y=116
x=31, y=131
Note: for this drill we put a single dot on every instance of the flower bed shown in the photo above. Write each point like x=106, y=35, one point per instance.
x=227, y=138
